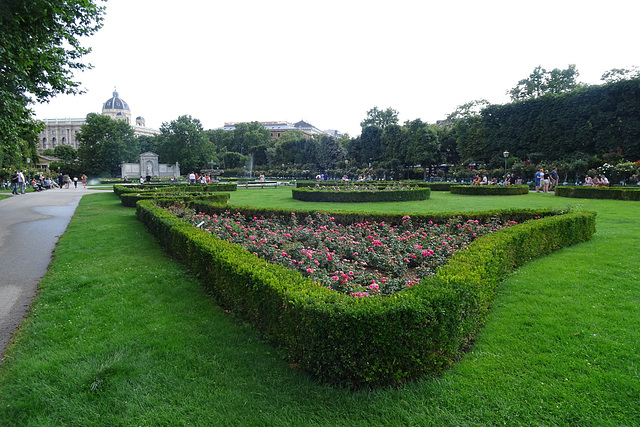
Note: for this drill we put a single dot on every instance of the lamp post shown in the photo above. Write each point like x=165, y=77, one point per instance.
x=29, y=167
x=346, y=168
x=506, y=156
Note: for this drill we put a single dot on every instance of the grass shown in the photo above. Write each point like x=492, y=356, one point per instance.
x=122, y=335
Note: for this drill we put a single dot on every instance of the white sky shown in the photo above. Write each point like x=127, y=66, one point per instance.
x=328, y=62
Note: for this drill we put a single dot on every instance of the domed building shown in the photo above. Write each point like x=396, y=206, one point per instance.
x=116, y=108
x=63, y=131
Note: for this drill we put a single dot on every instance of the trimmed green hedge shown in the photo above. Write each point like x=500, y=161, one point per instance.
x=130, y=199
x=175, y=188
x=309, y=195
x=489, y=190
x=365, y=342
x=437, y=186
x=615, y=193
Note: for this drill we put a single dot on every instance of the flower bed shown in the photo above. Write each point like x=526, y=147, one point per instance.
x=489, y=190
x=585, y=192
x=360, y=192
x=366, y=342
x=362, y=260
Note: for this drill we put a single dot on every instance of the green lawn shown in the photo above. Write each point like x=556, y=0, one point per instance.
x=122, y=335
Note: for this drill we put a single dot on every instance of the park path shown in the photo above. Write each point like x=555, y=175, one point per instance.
x=30, y=226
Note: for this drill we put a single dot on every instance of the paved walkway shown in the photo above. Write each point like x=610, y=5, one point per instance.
x=30, y=226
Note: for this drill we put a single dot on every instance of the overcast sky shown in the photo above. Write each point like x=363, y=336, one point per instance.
x=328, y=62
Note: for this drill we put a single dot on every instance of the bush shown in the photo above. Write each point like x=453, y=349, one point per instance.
x=436, y=186
x=615, y=193
x=366, y=342
x=130, y=199
x=175, y=188
x=490, y=190
x=309, y=195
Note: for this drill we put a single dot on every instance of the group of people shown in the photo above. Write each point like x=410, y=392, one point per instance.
x=546, y=181
x=510, y=179
x=595, y=181
x=194, y=178
x=39, y=182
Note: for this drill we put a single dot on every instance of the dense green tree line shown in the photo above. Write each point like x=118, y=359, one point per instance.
x=591, y=119
x=40, y=50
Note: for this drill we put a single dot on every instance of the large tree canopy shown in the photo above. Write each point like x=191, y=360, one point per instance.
x=105, y=144
x=380, y=118
x=541, y=82
x=40, y=50
x=184, y=141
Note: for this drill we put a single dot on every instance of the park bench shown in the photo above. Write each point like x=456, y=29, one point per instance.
x=258, y=184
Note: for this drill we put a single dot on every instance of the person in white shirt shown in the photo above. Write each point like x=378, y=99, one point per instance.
x=21, y=182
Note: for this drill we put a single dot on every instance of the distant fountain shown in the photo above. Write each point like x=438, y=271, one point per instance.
x=250, y=165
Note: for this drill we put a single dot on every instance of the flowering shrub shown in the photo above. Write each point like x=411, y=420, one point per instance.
x=362, y=260
x=363, y=186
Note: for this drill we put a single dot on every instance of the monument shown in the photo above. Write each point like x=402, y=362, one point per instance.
x=148, y=165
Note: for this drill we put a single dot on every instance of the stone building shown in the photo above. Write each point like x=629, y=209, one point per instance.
x=63, y=131
x=149, y=165
x=277, y=129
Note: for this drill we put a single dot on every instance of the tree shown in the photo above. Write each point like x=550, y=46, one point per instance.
x=464, y=126
x=329, y=151
x=105, y=144
x=39, y=52
x=394, y=141
x=65, y=152
x=617, y=74
x=542, y=82
x=148, y=143
x=422, y=144
x=380, y=118
x=294, y=148
x=368, y=146
x=184, y=141
x=247, y=136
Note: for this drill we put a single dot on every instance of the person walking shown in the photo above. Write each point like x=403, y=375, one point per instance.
x=84, y=180
x=22, y=182
x=15, y=183
x=539, y=177
x=554, y=179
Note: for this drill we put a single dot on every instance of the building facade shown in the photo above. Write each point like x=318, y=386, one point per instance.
x=277, y=129
x=64, y=131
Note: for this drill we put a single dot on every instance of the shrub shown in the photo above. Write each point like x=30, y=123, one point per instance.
x=130, y=199
x=366, y=342
x=490, y=190
x=310, y=195
x=586, y=192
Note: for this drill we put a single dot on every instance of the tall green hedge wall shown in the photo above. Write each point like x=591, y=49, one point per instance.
x=593, y=119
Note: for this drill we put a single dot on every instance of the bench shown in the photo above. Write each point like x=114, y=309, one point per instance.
x=260, y=184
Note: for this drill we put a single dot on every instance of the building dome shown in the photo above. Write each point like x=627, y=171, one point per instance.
x=115, y=103
x=116, y=108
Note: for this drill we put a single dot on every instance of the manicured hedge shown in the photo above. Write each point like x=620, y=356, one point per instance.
x=616, y=193
x=175, y=188
x=365, y=342
x=309, y=195
x=489, y=190
x=437, y=186
x=130, y=199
